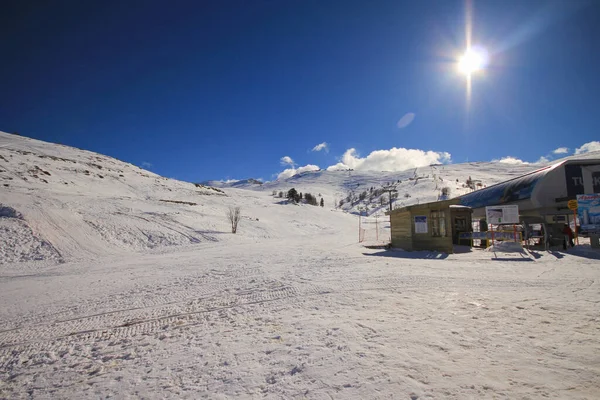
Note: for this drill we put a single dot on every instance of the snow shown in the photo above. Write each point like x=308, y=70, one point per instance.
x=109, y=292
x=417, y=185
x=506, y=247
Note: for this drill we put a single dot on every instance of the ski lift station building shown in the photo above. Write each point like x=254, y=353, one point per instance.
x=541, y=195
x=429, y=226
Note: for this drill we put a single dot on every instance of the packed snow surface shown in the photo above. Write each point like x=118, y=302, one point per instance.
x=308, y=317
x=132, y=286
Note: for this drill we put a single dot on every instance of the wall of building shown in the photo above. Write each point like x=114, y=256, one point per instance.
x=424, y=241
x=402, y=228
x=563, y=183
x=428, y=242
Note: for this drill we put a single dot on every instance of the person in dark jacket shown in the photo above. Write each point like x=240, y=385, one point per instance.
x=568, y=232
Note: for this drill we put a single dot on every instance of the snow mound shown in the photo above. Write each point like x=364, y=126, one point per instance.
x=506, y=247
x=19, y=243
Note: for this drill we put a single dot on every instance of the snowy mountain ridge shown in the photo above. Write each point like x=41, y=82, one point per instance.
x=367, y=192
x=60, y=203
x=116, y=282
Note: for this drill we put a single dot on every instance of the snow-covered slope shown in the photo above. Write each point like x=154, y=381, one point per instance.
x=242, y=184
x=413, y=186
x=59, y=203
x=62, y=203
x=290, y=307
x=417, y=185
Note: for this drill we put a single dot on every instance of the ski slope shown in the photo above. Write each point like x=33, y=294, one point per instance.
x=131, y=285
x=73, y=204
x=76, y=204
x=423, y=184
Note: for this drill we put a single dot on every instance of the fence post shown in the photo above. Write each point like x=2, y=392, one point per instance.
x=575, y=226
x=359, y=227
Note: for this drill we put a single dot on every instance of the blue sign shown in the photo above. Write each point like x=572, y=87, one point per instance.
x=588, y=212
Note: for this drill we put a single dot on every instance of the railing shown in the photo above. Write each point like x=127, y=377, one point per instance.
x=490, y=236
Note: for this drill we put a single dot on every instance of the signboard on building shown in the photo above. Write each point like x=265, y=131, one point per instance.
x=572, y=204
x=574, y=177
x=507, y=214
x=588, y=212
x=420, y=224
x=582, y=178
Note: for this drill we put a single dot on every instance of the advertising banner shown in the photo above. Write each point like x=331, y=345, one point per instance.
x=508, y=214
x=588, y=212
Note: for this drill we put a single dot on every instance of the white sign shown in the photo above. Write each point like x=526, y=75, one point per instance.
x=420, y=224
x=502, y=214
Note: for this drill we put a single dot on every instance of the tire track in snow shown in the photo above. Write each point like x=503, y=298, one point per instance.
x=229, y=293
x=177, y=290
x=424, y=281
x=123, y=324
x=150, y=319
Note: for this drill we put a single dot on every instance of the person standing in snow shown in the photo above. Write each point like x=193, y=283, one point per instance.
x=568, y=232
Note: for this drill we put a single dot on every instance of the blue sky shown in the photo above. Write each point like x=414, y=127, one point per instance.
x=225, y=89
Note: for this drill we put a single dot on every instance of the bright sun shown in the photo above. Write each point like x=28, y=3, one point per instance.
x=472, y=61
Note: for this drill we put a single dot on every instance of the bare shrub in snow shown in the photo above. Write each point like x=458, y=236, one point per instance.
x=233, y=215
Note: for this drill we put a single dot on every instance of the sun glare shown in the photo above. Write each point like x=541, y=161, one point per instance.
x=472, y=61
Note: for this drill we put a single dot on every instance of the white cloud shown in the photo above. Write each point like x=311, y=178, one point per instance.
x=542, y=160
x=321, y=146
x=511, y=160
x=561, y=150
x=394, y=159
x=406, y=120
x=586, y=148
x=337, y=167
x=286, y=160
x=146, y=164
x=231, y=181
x=288, y=173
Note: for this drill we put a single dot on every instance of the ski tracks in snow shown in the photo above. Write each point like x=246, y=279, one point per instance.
x=293, y=321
